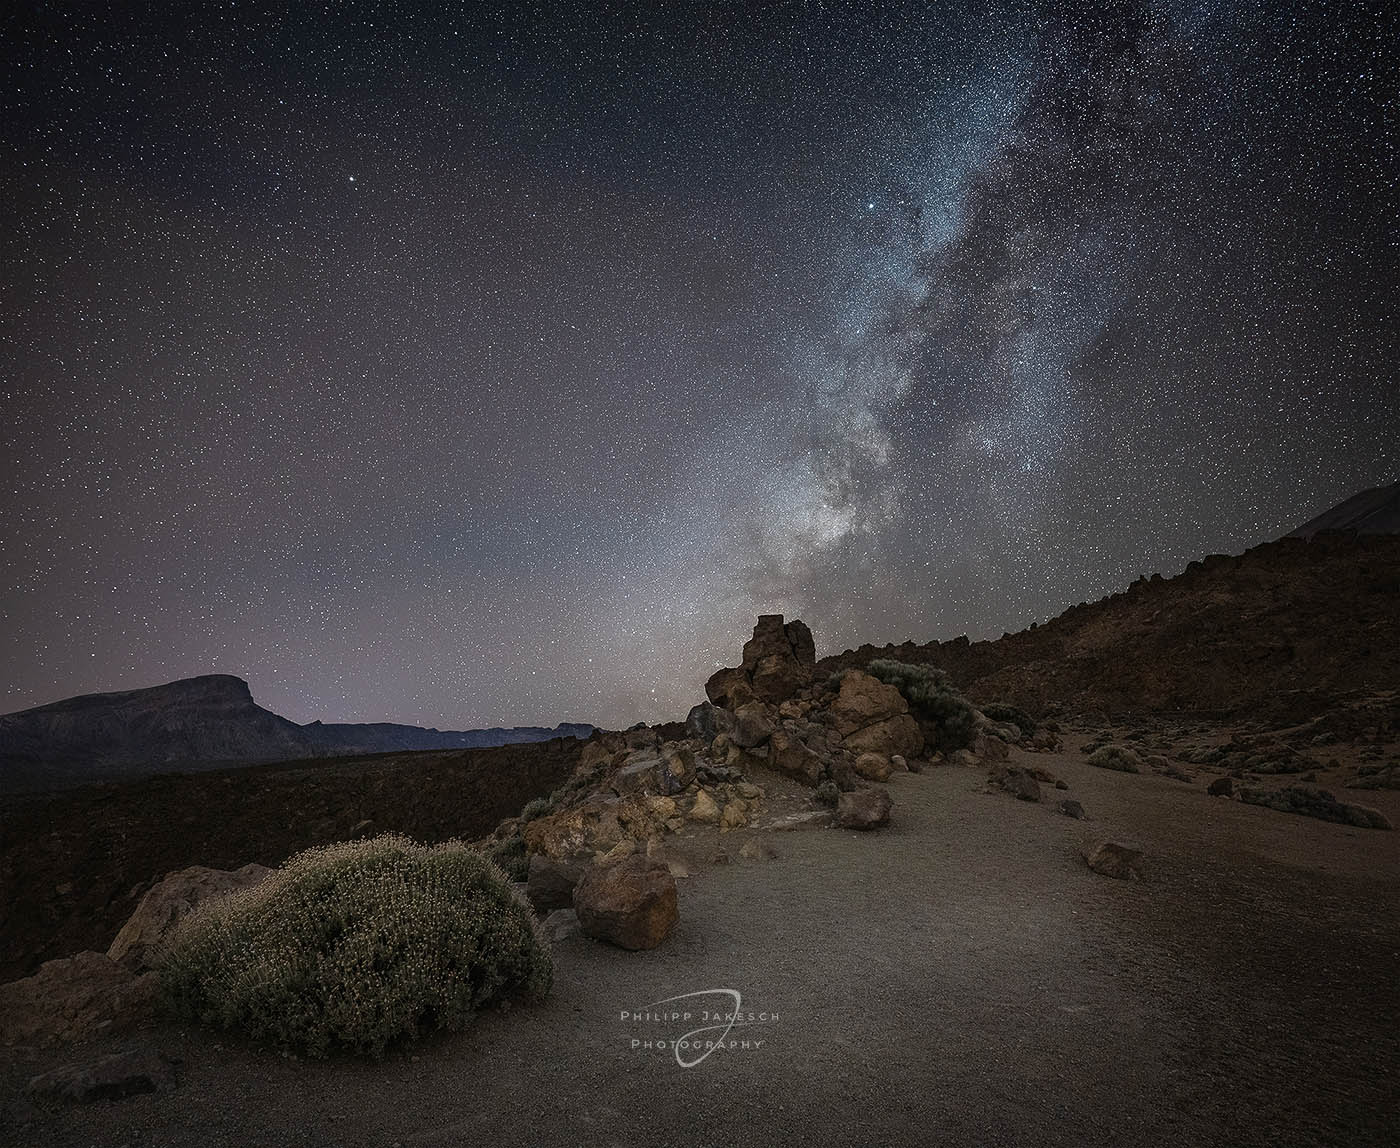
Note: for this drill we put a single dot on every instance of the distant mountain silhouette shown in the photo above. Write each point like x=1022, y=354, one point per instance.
x=199, y=723
x=1374, y=511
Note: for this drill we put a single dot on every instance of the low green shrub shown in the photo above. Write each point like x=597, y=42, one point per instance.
x=931, y=697
x=511, y=858
x=1118, y=757
x=537, y=807
x=1005, y=712
x=355, y=946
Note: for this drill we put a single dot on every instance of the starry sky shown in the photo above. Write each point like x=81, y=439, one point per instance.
x=480, y=364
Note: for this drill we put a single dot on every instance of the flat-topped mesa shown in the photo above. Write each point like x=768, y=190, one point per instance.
x=777, y=662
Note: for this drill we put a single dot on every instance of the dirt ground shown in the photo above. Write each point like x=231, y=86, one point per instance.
x=959, y=978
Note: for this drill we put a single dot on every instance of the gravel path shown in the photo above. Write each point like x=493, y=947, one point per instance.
x=959, y=978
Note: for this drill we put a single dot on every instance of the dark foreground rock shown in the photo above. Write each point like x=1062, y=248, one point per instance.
x=864, y=808
x=113, y=1077
x=1113, y=859
x=72, y=999
x=1018, y=782
x=631, y=904
x=551, y=882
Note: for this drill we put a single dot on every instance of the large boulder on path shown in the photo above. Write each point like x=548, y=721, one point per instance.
x=631, y=904
x=872, y=717
x=166, y=904
x=864, y=808
x=74, y=998
x=777, y=662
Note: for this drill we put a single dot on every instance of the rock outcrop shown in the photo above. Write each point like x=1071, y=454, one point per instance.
x=777, y=661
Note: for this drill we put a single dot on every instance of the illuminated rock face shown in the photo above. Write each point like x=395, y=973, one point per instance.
x=777, y=662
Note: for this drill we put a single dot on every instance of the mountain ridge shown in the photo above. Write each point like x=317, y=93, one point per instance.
x=204, y=722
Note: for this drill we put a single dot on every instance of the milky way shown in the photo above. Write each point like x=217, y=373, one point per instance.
x=499, y=366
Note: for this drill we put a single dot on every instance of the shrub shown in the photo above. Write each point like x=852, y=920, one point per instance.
x=1118, y=757
x=538, y=807
x=511, y=857
x=356, y=945
x=931, y=697
x=827, y=793
x=1004, y=712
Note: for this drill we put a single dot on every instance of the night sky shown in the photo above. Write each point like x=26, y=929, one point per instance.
x=476, y=365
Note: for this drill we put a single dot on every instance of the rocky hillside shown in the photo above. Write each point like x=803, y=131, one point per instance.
x=1287, y=632
x=199, y=723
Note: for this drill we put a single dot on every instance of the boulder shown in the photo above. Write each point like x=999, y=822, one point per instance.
x=734, y=816
x=874, y=766
x=168, y=902
x=897, y=735
x=989, y=748
x=551, y=882
x=1071, y=808
x=863, y=701
x=705, y=810
x=864, y=808
x=1020, y=783
x=75, y=998
x=1221, y=787
x=756, y=849
x=791, y=757
x=1112, y=859
x=707, y=721
x=752, y=726
x=113, y=1077
x=631, y=904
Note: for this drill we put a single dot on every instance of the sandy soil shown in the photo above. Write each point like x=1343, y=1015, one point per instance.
x=960, y=978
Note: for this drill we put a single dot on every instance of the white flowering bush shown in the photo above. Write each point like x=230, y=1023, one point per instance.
x=357, y=945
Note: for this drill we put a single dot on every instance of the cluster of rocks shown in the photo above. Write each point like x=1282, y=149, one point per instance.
x=596, y=846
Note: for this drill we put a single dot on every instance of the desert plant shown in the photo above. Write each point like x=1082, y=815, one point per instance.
x=1005, y=712
x=511, y=858
x=1118, y=757
x=356, y=945
x=932, y=697
x=827, y=793
x=537, y=807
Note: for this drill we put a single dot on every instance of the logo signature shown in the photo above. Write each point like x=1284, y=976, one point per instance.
x=717, y=1019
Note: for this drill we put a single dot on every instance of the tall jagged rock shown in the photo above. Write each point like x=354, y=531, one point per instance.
x=777, y=662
